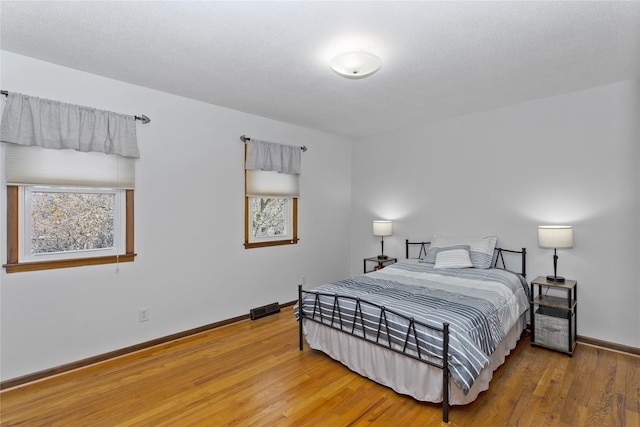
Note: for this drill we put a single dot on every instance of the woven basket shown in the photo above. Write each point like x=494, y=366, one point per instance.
x=552, y=328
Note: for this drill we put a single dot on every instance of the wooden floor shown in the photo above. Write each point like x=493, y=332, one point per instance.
x=251, y=374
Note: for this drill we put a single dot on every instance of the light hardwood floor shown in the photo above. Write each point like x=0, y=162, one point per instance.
x=251, y=374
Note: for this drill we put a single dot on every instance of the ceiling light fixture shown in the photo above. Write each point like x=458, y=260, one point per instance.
x=355, y=65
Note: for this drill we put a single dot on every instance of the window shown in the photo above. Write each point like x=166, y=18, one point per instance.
x=59, y=223
x=67, y=208
x=70, y=174
x=271, y=200
x=270, y=219
x=80, y=236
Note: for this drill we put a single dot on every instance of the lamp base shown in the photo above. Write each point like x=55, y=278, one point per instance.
x=383, y=257
x=557, y=279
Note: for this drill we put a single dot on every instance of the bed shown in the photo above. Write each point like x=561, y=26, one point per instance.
x=433, y=326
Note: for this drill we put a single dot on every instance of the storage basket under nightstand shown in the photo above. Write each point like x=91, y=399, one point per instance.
x=553, y=318
x=552, y=328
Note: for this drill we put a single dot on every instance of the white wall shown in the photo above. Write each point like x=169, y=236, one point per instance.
x=571, y=159
x=191, y=268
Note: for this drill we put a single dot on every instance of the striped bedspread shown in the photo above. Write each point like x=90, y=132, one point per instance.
x=479, y=305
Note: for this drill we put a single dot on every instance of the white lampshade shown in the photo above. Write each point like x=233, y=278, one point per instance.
x=382, y=228
x=355, y=65
x=555, y=236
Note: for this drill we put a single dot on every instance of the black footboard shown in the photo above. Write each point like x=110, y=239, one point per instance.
x=355, y=325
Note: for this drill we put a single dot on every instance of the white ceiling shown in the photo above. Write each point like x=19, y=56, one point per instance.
x=439, y=59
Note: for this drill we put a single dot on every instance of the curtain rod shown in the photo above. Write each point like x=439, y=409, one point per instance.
x=144, y=119
x=246, y=138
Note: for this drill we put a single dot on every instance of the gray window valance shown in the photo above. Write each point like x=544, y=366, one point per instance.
x=269, y=156
x=29, y=120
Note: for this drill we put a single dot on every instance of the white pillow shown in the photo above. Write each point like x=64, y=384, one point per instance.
x=480, y=250
x=453, y=257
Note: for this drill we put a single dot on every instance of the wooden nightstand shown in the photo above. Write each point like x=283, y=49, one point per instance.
x=554, y=319
x=380, y=263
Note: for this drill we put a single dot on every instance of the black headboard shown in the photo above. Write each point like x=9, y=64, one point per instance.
x=498, y=255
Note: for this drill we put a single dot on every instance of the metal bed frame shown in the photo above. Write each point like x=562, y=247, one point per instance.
x=336, y=322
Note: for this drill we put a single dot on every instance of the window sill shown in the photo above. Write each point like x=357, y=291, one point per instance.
x=271, y=243
x=67, y=263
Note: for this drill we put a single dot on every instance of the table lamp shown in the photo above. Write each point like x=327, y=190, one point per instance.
x=382, y=228
x=556, y=237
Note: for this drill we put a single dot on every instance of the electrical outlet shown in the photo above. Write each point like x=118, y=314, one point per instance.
x=303, y=279
x=143, y=314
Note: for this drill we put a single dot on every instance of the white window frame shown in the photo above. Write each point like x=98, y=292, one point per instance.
x=26, y=219
x=288, y=220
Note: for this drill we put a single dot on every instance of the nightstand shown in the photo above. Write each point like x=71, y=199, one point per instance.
x=554, y=318
x=380, y=263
